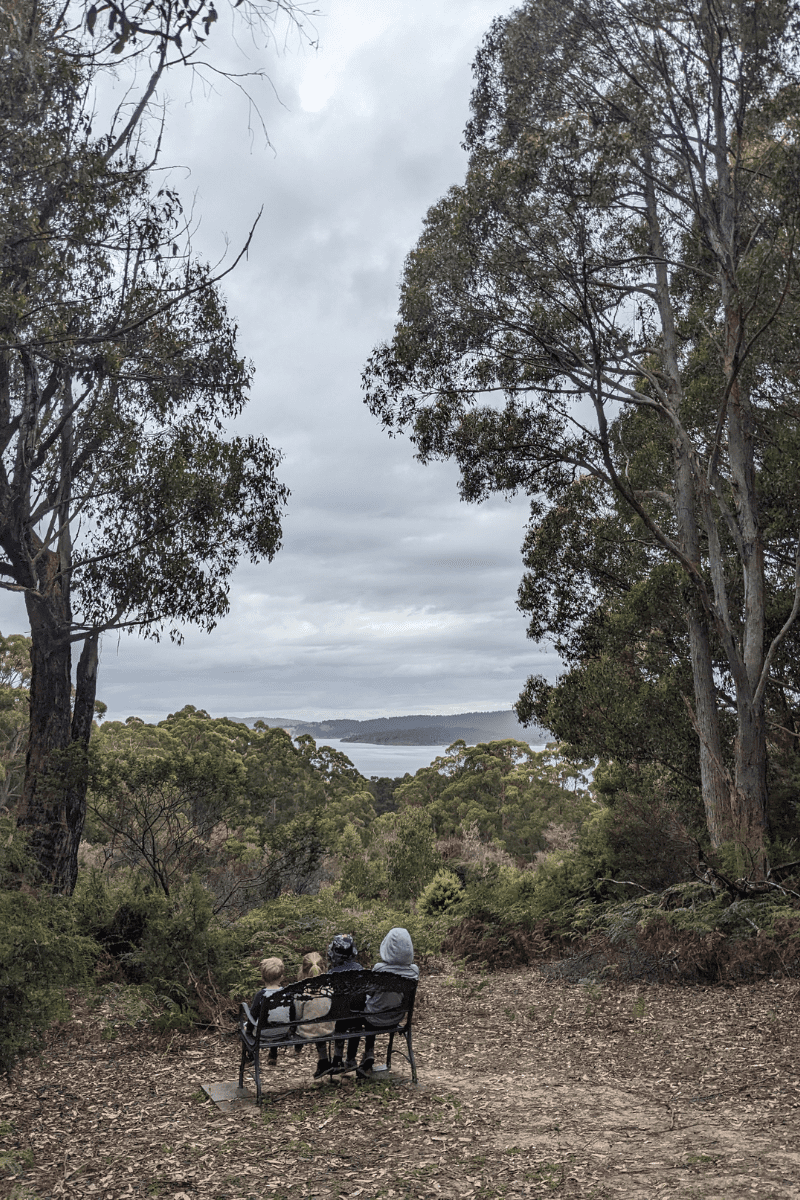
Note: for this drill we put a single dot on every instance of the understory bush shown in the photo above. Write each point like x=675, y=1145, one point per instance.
x=444, y=892
x=693, y=933
x=293, y=925
x=498, y=946
x=42, y=952
x=175, y=945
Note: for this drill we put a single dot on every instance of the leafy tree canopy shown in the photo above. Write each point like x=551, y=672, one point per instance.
x=605, y=310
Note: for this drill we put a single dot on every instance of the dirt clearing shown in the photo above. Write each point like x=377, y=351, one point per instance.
x=529, y=1087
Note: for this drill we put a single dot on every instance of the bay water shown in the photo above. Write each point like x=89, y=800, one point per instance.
x=391, y=761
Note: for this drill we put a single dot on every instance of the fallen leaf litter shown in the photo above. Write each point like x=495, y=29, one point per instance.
x=529, y=1087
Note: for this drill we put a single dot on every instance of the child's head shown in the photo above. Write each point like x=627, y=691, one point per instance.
x=313, y=964
x=342, y=949
x=271, y=971
x=397, y=948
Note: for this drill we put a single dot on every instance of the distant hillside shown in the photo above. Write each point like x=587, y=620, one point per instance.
x=421, y=730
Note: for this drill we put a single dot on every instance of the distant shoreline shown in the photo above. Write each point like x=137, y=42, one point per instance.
x=421, y=730
x=423, y=737
x=403, y=737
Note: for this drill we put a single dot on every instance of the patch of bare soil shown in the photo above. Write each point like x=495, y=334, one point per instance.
x=528, y=1087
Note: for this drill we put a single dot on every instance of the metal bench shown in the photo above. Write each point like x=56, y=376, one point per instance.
x=347, y=992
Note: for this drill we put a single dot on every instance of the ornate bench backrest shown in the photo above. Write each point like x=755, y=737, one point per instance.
x=347, y=992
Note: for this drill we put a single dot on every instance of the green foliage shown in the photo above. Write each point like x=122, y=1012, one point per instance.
x=293, y=925
x=444, y=892
x=663, y=581
x=130, y=505
x=508, y=791
x=699, y=930
x=383, y=789
x=42, y=952
x=247, y=810
x=568, y=887
x=175, y=945
x=411, y=855
x=15, y=674
x=363, y=875
x=159, y=805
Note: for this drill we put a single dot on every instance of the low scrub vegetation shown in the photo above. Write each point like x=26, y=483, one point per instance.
x=209, y=845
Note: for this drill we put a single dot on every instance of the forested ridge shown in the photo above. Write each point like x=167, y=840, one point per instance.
x=471, y=726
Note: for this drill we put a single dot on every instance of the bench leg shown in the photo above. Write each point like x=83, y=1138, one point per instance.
x=411, y=1058
x=242, y=1065
x=257, y=1075
x=389, y=1051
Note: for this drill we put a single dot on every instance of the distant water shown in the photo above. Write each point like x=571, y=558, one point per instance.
x=388, y=761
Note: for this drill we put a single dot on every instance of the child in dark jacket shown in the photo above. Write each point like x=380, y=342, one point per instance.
x=342, y=954
x=272, y=971
x=397, y=956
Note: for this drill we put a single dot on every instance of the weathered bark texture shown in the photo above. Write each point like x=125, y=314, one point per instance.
x=45, y=807
x=53, y=807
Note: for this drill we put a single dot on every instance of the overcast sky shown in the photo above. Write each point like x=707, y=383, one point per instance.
x=389, y=596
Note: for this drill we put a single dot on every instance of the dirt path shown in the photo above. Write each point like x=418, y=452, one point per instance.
x=549, y=1090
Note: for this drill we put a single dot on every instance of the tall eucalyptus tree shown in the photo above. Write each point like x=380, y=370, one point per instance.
x=123, y=502
x=626, y=239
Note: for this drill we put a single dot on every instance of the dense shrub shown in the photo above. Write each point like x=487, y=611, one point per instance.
x=174, y=944
x=293, y=925
x=569, y=889
x=363, y=870
x=442, y=894
x=411, y=855
x=647, y=843
x=42, y=952
x=497, y=946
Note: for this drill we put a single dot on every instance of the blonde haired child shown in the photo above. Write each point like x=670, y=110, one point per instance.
x=272, y=972
x=312, y=964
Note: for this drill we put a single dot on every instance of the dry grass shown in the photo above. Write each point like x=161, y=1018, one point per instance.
x=530, y=1087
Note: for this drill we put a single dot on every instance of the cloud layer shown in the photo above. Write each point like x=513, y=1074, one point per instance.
x=389, y=596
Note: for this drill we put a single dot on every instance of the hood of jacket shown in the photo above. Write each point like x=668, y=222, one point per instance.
x=397, y=948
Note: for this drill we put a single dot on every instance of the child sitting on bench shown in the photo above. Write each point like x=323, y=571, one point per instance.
x=312, y=964
x=397, y=956
x=272, y=971
x=342, y=956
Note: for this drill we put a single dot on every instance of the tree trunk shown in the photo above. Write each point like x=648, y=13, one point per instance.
x=53, y=805
x=715, y=780
x=750, y=792
x=85, y=692
x=46, y=808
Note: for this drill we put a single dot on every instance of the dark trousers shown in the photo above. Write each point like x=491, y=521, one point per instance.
x=338, y=1045
x=369, y=1040
x=348, y=1025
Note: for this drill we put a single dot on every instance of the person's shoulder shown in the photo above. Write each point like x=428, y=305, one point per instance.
x=409, y=970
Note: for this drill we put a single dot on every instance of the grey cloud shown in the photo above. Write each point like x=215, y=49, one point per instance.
x=389, y=595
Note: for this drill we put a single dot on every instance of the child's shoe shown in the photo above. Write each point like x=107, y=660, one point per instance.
x=272, y=1058
x=323, y=1068
x=350, y=1064
x=365, y=1070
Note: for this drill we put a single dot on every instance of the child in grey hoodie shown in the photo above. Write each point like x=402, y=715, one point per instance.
x=397, y=956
